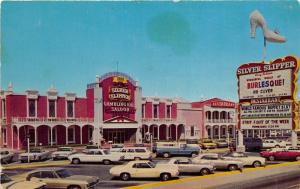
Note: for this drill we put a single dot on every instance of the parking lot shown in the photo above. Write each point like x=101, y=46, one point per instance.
x=102, y=171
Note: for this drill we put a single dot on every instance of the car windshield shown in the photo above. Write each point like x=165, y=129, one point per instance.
x=5, y=179
x=151, y=164
x=63, y=173
x=64, y=149
x=35, y=150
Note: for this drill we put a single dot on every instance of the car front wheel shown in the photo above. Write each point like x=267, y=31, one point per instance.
x=125, y=176
x=165, y=176
x=75, y=161
x=166, y=155
x=232, y=167
x=74, y=187
x=204, y=171
x=271, y=158
x=297, y=158
x=106, y=162
x=256, y=164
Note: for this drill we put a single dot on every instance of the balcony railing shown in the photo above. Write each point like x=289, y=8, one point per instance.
x=51, y=120
x=160, y=120
x=220, y=121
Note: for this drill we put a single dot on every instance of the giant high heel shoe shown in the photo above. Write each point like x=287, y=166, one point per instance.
x=257, y=20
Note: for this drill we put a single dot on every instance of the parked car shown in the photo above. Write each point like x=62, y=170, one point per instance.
x=272, y=143
x=35, y=154
x=221, y=143
x=96, y=156
x=218, y=162
x=62, y=153
x=253, y=161
x=61, y=178
x=90, y=147
x=283, y=154
x=135, y=153
x=6, y=156
x=208, y=144
x=144, y=169
x=185, y=165
x=177, y=150
x=8, y=183
x=116, y=147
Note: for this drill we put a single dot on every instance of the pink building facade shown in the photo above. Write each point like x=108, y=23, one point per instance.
x=112, y=110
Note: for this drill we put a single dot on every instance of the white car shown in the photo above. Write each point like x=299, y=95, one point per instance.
x=116, y=147
x=62, y=153
x=144, y=169
x=96, y=156
x=35, y=154
x=254, y=161
x=271, y=143
x=185, y=165
x=6, y=156
x=218, y=162
x=135, y=153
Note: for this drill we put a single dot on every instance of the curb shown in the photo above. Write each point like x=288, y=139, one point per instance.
x=33, y=165
x=183, y=180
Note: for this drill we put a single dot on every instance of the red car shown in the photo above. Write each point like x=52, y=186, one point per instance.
x=281, y=155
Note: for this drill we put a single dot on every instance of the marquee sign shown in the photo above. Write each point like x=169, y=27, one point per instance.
x=223, y=104
x=118, y=98
x=267, y=94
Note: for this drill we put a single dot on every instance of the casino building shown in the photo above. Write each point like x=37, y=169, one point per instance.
x=112, y=110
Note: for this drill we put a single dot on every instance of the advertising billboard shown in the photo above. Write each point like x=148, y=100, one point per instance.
x=267, y=94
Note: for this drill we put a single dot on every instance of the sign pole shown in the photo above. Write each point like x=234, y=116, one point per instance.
x=28, y=149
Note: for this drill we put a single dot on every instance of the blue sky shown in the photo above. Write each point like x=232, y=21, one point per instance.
x=184, y=49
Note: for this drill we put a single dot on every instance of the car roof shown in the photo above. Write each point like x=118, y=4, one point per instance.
x=47, y=169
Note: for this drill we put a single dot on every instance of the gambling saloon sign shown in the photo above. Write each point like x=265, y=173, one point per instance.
x=267, y=94
x=118, y=97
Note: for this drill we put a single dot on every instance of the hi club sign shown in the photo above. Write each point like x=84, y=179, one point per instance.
x=118, y=98
x=267, y=94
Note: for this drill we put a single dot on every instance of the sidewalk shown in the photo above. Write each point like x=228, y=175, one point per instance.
x=225, y=178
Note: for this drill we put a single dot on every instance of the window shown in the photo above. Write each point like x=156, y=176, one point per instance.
x=143, y=166
x=168, y=111
x=5, y=179
x=155, y=111
x=130, y=150
x=209, y=157
x=98, y=152
x=143, y=110
x=90, y=133
x=140, y=150
x=31, y=135
x=70, y=108
x=3, y=108
x=32, y=108
x=48, y=174
x=35, y=175
x=192, y=131
x=63, y=173
x=4, y=135
x=51, y=108
x=71, y=134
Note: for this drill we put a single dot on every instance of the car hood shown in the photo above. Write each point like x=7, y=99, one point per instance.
x=22, y=184
x=88, y=179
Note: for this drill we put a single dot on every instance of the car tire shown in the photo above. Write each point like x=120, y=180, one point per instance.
x=256, y=164
x=125, y=176
x=74, y=187
x=204, y=171
x=232, y=167
x=75, y=161
x=297, y=158
x=194, y=154
x=165, y=176
x=166, y=155
x=106, y=162
x=271, y=158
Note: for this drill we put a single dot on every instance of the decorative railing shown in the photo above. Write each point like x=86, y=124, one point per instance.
x=220, y=121
x=51, y=120
x=160, y=120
